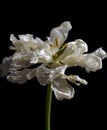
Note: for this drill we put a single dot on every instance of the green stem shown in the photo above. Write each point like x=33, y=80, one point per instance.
x=48, y=107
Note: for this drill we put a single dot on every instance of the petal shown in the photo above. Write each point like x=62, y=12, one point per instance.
x=16, y=78
x=13, y=38
x=21, y=59
x=31, y=73
x=77, y=46
x=58, y=71
x=5, y=66
x=101, y=53
x=15, y=42
x=73, y=51
x=81, y=45
x=42, y=74
x=41, y=56
x=90, y=62
x=35, y=57
x=22, y=76
x=59, y=34
x=26, y=38
x=62, y=89
x=76, y=79
x=25, y=42
x=39, y=42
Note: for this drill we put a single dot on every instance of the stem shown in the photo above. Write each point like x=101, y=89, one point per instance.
x=48, y=107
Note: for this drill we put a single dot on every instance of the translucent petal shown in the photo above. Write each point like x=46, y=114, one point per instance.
x=22, y=76
x=58, y=71
x=5, y=66
x=42, y=74
x=31, y=74
x=35, y=58
x=62, y=89
x=46, y=75
x=41, y=56
x=90, y=62
x=16, y=79
x=21, y=59
x=59, y=34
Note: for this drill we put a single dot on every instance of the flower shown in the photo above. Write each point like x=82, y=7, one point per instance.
x=52, y=57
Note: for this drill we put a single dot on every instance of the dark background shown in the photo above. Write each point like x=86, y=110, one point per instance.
x=23, y=106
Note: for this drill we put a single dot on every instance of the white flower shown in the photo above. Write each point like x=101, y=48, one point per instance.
x=54, y=56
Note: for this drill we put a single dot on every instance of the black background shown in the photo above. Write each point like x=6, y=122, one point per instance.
x=23, y=106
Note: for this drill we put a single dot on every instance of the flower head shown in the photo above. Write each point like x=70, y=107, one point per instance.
x=54, y=56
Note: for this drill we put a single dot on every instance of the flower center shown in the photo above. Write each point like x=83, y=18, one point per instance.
x=59, y=52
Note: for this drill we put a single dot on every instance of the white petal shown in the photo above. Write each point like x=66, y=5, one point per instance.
x=42, y=74
x=58, y=71
x=39, y=42
x=60, y=33
x=26, y=38
x=81, y=45
x=62, y=89
x=101, y=53
x=21, y=59
x=41, y=56
x=13, y=38
x=76, y=80
x=15, y=42
x=25, y=42
x=73, y=51
x=90, y=62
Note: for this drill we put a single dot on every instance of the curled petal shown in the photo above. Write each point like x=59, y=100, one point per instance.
x=62, y=89
x=81, y=45
x=101, y=53
x=73, y=51
x=59, y=34
x=90, y=62
x=13, y=39
x=76, y=80
x=25, y=42
x=15, y=42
